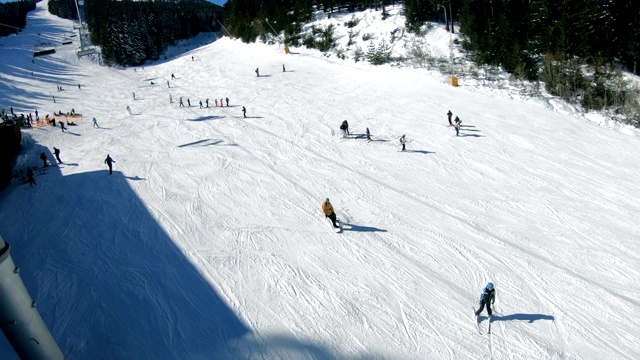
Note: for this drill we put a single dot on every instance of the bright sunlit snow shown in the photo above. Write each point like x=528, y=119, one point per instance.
x=208, y=241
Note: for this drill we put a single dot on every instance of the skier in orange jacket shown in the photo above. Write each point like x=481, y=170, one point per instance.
x=327, y=209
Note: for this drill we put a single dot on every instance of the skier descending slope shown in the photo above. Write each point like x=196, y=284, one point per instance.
x=488, y=297
x=327, y=209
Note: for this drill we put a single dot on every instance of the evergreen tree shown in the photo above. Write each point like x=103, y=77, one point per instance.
x=13, y=16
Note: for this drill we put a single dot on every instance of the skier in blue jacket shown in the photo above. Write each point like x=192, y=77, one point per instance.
x=488, y=297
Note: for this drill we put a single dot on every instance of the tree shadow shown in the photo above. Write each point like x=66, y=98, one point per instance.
x=522, y=317
x=359, y=228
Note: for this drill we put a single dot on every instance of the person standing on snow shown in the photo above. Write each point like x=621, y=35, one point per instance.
x=109, y=161
x=227, y=100
x=368, y=135
x=257, y=72
x=456, y=125
x=244, y=111
x=43, y=157
x=449, y=114
x=488, y=297
x=32, y=181
x=403, y=141
x=345, y=128
x=56, y=152
x=95, y=123
x=327, y=209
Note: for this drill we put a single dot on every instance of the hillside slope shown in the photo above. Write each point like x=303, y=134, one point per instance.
x=208, y=240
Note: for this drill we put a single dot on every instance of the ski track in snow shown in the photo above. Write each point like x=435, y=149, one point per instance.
x=536, y=199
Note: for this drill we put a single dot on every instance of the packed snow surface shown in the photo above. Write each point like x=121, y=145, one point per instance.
x=208, y=241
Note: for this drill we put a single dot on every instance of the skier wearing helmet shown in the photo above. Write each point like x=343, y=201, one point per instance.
x=327, y=209
x=488, y=297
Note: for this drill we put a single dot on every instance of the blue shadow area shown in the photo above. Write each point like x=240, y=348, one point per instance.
x=289, y=347
x=111, y=284
x=40, y=34
x=352, y=227
x=128, y=292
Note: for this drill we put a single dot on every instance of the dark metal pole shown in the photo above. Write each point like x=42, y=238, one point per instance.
x=19, y=318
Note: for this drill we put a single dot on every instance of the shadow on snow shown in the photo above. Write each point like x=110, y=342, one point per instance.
x=205, y=118
x=420, y=151
x=126, y=290
x=205, y=142
x=359, y=228
x=55, y=71
x=522, y=317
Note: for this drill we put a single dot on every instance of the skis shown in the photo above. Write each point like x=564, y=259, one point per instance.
x=479, y=319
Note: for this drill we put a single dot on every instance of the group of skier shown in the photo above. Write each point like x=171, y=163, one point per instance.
x=456, y=124
x=204, y=104
x=56, y=152
x=488, y=296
